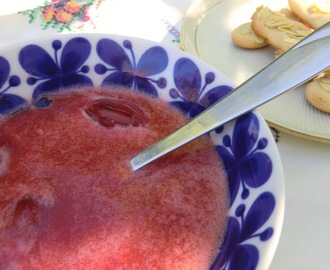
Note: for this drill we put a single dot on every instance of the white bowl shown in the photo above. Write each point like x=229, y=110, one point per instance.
x=246, y=145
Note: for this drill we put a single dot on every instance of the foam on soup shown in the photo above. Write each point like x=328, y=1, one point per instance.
x=70, y=200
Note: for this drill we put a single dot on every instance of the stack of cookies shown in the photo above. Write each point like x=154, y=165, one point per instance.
x=283, y=29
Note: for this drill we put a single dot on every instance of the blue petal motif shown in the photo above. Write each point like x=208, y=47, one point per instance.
x=235, y=253
x=4, y=71
x=260, y=211
x=125, y=71
x=8, y=102
x=246, y=257
x=247, y=166
x=243, y=158
x=187, y=78
x=189, y=93
x=114, y=55
x=56, y=75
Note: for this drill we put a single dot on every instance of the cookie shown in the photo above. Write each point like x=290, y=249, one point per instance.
x=314, y=12
x=287, y=12
x=318, y=92
x=244, y=37
x=281, y=32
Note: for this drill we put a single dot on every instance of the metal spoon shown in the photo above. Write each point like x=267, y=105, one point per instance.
x=296, y=66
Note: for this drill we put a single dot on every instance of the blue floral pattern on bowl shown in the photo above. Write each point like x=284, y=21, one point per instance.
x=58, y=72
x=129, y=72
x=8, y=102
x=245, y=145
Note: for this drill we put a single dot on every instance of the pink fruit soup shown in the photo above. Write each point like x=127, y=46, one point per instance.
x=70, y=200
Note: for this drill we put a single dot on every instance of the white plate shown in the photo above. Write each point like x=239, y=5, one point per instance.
x=206, y=33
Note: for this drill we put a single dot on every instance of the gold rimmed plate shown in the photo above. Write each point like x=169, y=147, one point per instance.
x=206, y=33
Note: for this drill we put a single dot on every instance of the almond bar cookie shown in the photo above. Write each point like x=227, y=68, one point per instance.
x=318, y=92
x=244, y=37
x=314, y=12
x=281, y=32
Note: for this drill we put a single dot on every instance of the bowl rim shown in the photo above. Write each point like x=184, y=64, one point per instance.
x=140, y=45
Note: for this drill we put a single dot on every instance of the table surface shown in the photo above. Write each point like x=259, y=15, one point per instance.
x=305, y=238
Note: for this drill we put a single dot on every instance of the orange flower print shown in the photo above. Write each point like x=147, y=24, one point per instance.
x=62, y=16
x=72, y=7
x=48, y=13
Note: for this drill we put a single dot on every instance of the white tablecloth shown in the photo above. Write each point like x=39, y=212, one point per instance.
x=305, y=239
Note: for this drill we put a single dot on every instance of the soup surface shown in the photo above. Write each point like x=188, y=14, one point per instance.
x=70, y=200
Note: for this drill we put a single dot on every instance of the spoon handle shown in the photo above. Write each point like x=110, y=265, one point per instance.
x=296, y=66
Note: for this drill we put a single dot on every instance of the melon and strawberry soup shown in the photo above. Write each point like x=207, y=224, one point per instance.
x=69, y=198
